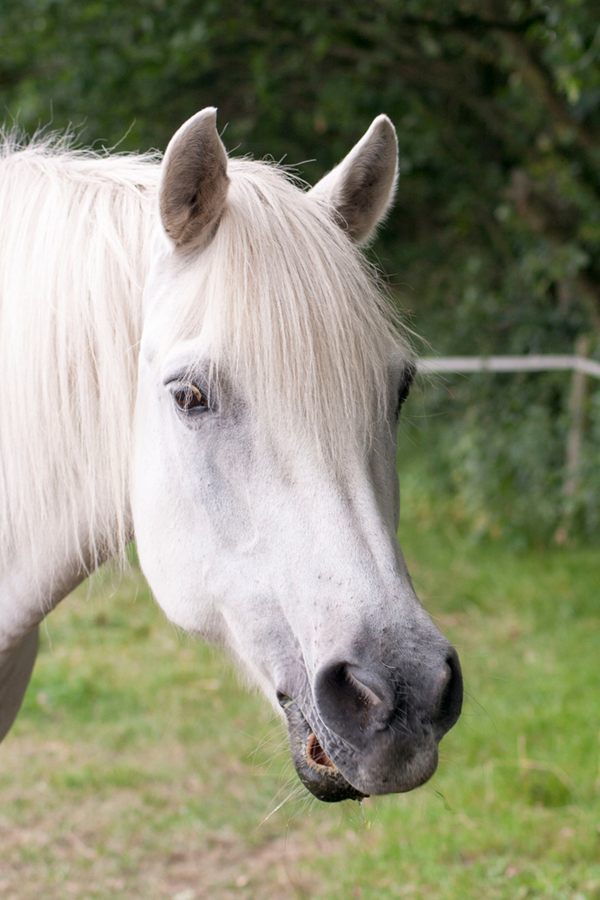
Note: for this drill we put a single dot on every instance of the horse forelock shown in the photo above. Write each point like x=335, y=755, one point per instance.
x=296, y=314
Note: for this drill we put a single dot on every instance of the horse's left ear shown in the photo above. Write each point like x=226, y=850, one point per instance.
x=194, y=181
x=361, y=189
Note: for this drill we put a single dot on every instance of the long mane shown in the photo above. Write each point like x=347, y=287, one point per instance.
x=75, y=231
x=295, y=311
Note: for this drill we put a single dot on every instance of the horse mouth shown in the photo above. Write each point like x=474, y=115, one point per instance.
x=315, y=769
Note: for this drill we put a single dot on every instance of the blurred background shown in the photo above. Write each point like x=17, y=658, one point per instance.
x=493, y=246
x=138, y=766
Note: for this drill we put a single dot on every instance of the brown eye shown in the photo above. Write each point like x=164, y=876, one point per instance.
x=189, y=397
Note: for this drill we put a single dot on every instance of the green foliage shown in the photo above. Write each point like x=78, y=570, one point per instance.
x=492, y=448
x=495, y=239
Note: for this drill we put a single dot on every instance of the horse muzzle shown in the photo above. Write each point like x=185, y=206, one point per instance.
x=372, y=730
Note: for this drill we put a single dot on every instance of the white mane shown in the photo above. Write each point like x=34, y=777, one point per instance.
x=74, y=240
x=295, y=309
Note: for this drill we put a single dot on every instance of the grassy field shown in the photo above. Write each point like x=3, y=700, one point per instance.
x=139, y=768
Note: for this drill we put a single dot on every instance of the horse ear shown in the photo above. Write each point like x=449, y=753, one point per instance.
x=361, y=188
x=194, y=181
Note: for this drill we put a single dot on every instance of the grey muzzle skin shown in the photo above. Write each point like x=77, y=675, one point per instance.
x=373, y=730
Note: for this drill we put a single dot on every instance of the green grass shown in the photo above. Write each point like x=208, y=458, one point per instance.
x=139, y=768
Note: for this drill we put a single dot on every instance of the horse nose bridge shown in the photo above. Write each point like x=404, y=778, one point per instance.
x=341, y=515
x=357, y=608
x=369, y=603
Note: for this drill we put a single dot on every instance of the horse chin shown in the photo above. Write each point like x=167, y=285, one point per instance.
x=315, y=770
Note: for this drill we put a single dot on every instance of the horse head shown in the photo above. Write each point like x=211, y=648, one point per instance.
x=264, y=485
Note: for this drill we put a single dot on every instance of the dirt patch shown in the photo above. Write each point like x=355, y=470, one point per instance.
x=137, y=842
x=36, y=861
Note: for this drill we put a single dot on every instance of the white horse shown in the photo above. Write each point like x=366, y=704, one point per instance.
x=195, y=353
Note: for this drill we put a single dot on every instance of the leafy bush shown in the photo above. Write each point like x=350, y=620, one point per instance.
x=493, y=448
x=494, y=243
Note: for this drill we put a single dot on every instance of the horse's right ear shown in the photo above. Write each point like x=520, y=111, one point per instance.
x=194, y=181
x=360, y=190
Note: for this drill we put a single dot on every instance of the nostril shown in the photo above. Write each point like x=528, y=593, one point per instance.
x=347, y=704
x=450, y=702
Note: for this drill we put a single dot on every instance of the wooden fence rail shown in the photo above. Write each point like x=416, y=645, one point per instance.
x=529, y=363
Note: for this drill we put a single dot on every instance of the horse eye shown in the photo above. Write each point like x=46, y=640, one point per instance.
x=189, y=397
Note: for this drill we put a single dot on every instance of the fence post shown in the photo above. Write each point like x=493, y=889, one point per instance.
x=575, y=435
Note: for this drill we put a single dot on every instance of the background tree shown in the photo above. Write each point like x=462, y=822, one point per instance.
x=494, y=244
